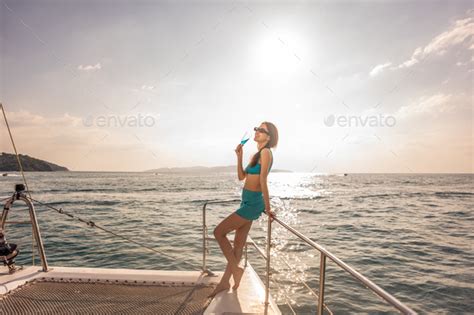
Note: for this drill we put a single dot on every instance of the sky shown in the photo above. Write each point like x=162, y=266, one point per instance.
x=352, y=86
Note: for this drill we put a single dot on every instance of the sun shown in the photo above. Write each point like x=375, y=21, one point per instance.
x=277, y=54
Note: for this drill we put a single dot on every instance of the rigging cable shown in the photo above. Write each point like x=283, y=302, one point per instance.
x=20, y=166
x=14, y=148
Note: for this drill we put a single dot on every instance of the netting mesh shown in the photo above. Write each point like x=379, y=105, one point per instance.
x=59, y=297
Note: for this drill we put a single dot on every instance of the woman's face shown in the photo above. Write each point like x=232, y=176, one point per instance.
x=261, y=136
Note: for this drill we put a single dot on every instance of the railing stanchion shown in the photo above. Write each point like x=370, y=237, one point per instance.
x=267, y=280
x=204, y=235
x=21, y=195
x=245, y=264
x=322, y=277
x=205, y=238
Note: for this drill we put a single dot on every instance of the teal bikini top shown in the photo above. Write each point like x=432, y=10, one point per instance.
x=257, y=168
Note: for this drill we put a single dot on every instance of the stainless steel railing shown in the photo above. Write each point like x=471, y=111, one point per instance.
x=324, y=254
x=20, y=195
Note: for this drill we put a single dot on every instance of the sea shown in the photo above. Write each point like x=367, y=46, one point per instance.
x=411, y=234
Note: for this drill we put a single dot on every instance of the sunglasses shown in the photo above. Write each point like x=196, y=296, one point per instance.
x=258, y=129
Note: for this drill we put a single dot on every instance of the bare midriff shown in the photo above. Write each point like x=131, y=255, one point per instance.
x=252, y=182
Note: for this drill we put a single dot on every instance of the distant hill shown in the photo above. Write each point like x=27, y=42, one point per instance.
x=8, y=163
x=203, y=169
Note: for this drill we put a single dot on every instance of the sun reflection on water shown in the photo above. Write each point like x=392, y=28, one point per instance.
x=297, y=185
x=288, y=254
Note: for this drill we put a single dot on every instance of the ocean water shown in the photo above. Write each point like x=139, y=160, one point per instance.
x=411, y=234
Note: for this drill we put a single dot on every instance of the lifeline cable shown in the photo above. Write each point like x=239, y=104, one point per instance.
x=93, y=224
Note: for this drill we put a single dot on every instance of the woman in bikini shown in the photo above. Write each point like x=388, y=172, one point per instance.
x=255, y=200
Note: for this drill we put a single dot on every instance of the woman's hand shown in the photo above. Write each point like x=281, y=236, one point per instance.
x=239, y=151
x=271, y=214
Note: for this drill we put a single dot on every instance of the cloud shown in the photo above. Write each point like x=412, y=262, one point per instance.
x=460, y=31
x=379, y=68
x=459, y=63
x=61, y=139
x=68, y=140
x=36, y=128
x=147, y=87
x=432, y=105
x=95, y=67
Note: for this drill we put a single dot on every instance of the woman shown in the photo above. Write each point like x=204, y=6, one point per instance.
x=255, y=200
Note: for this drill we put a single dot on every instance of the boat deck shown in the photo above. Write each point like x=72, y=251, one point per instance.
x=127, y=291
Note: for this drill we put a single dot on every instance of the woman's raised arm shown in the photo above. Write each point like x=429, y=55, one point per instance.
x=240, y=170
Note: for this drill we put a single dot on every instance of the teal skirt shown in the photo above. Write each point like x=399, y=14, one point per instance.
x=252, y=204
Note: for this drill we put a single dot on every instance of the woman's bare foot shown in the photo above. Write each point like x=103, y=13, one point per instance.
x=238, y=277
x=220, y=287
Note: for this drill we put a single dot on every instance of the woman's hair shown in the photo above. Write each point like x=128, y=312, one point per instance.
x=273, y=131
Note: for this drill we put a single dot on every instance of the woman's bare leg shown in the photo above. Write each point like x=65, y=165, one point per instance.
x=232, y=222
x=239, y=243
x=224, y=284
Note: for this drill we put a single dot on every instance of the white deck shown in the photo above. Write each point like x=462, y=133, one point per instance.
x=249, y=297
